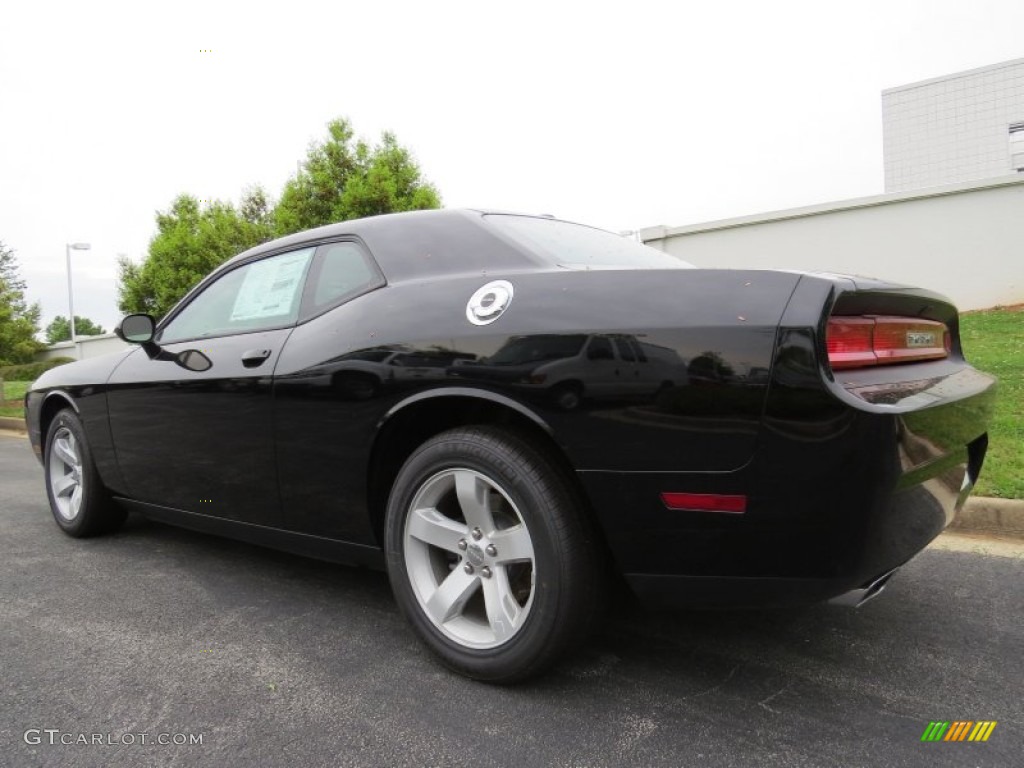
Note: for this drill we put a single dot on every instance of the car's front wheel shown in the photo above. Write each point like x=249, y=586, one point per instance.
x=490, y=555
x=79, y=502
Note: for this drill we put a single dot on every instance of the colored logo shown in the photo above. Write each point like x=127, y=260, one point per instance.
x=958, y=730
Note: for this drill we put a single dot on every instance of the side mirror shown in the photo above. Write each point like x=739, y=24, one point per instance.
x=140, y=329
x=136, y=329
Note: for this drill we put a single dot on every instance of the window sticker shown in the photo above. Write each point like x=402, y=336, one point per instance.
x=271, y=287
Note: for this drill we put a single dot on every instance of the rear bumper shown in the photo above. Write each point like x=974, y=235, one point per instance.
x=776, y=553
x=838, y=497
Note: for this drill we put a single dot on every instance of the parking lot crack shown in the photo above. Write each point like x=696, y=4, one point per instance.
x=764, y=702
x=715, y=687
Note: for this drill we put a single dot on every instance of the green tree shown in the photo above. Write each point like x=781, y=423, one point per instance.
x=191, y=240
x=19, y=321
x=343, y=179
x=340, y=179
x=710, y=366
x=60, y=330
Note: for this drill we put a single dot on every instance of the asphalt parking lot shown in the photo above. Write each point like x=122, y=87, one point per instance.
x=276, y=660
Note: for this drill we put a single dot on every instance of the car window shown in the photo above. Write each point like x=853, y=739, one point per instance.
x=416, y=361
x=625, y=351
x=253, y=297
x=641, y=356
x=574, y=246
x=341, y=271
x=600, y=349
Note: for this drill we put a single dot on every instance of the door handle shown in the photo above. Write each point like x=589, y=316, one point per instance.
x=255, y=357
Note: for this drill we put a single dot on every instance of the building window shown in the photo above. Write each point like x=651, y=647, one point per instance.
x=1017, y=147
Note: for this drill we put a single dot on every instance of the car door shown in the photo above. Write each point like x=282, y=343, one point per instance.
x=202, y=441
x=325, y=419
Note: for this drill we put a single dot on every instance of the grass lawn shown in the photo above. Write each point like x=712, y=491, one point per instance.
x=993, y=341
x=13, y=398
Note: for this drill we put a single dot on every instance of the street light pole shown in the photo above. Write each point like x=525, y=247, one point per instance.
x=68, y=247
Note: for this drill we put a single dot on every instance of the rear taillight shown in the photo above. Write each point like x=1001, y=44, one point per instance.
x=855, y=342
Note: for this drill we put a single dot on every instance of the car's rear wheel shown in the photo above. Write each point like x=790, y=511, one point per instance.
x=78, y=500
x=490, y=556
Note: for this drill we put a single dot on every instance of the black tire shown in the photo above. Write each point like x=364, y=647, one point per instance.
x=69, y=465
x=557, y=593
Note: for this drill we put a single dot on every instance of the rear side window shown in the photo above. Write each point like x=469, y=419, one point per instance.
x=574, y=246
x=340, y=272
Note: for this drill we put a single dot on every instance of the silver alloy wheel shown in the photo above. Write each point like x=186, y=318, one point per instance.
x=469, y=558
x=65, y=474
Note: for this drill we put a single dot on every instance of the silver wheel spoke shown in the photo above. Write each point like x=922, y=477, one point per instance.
x=474, y=500
x=65, y=452
x=503, y=611
x=65, y=485
x=450, y=597
x=76, y=500
x=513, y=544
x=431, y=527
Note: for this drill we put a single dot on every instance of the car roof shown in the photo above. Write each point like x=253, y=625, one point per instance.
x=416, y=244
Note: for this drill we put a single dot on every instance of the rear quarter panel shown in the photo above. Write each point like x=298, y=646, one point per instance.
x=720, y=325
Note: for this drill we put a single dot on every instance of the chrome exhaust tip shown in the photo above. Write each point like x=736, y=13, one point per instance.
x=855, y=598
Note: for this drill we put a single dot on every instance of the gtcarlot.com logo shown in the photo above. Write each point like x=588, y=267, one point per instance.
x=958, y=730
x=55, y=736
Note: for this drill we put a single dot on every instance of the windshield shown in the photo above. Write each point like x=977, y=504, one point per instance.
x=537, y=349
x=578, y=247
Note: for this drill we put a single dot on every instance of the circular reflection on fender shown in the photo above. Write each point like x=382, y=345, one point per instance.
x=489, y=302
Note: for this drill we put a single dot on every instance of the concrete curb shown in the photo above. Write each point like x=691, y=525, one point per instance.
x=12, y=423
x=981, y=514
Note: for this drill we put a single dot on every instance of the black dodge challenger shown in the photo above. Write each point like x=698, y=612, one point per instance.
x=508, y=412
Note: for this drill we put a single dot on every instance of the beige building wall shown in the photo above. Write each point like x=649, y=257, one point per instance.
x=965, y=241
x=960, y=127
x=87, y=346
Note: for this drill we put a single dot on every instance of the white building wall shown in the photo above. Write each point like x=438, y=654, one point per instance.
x=965, y=241
x=952, y=129
x=87, y=346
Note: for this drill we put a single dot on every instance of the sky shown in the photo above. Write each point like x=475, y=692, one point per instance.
x=621, y=115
